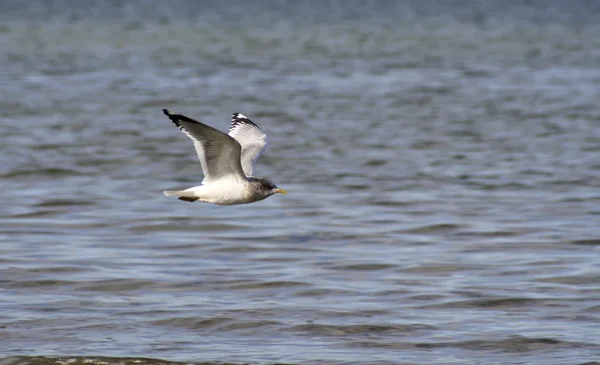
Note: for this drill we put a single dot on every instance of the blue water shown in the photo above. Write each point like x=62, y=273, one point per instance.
x=441, y=160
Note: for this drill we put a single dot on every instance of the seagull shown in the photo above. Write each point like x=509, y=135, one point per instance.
x=227, y=162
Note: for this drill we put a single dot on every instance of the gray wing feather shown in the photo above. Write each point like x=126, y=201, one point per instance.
x=251, y=138
x=219, y=154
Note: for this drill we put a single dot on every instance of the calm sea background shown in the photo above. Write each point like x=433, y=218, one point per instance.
x=442, y=160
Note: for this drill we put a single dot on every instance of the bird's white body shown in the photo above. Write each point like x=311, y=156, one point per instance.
x=222, y=192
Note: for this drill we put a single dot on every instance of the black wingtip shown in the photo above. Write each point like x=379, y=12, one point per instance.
x=239, y=118
x=178, y=118
x=174, y=117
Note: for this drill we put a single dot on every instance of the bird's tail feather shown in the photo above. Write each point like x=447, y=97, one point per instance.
x=187, y=196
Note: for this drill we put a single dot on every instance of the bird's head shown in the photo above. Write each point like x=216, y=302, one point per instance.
x=264, y=188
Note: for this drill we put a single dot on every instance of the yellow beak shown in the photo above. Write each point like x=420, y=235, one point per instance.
x=280, y=191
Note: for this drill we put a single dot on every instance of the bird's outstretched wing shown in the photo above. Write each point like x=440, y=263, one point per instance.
x=219, y=154
x=251, y=138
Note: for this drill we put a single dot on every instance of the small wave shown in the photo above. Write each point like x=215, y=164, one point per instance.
x=490, y=303
x=216, y=323
x=47, y=172
x=363, y=267
x=511, y=344
x=63, y=202
x=333, y=330
x=434, y=228
x=115, y=285
x=269, y=285
x=97, y=360
x=44, y=283
x=586, y=242
x=168, y=227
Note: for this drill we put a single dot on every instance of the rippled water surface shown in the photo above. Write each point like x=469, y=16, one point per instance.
x=442, y=161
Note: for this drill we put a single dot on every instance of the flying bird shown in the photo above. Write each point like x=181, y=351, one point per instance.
x=227, y=162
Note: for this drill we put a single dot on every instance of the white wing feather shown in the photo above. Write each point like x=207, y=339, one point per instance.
x=251, y=138
x=219, y=154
